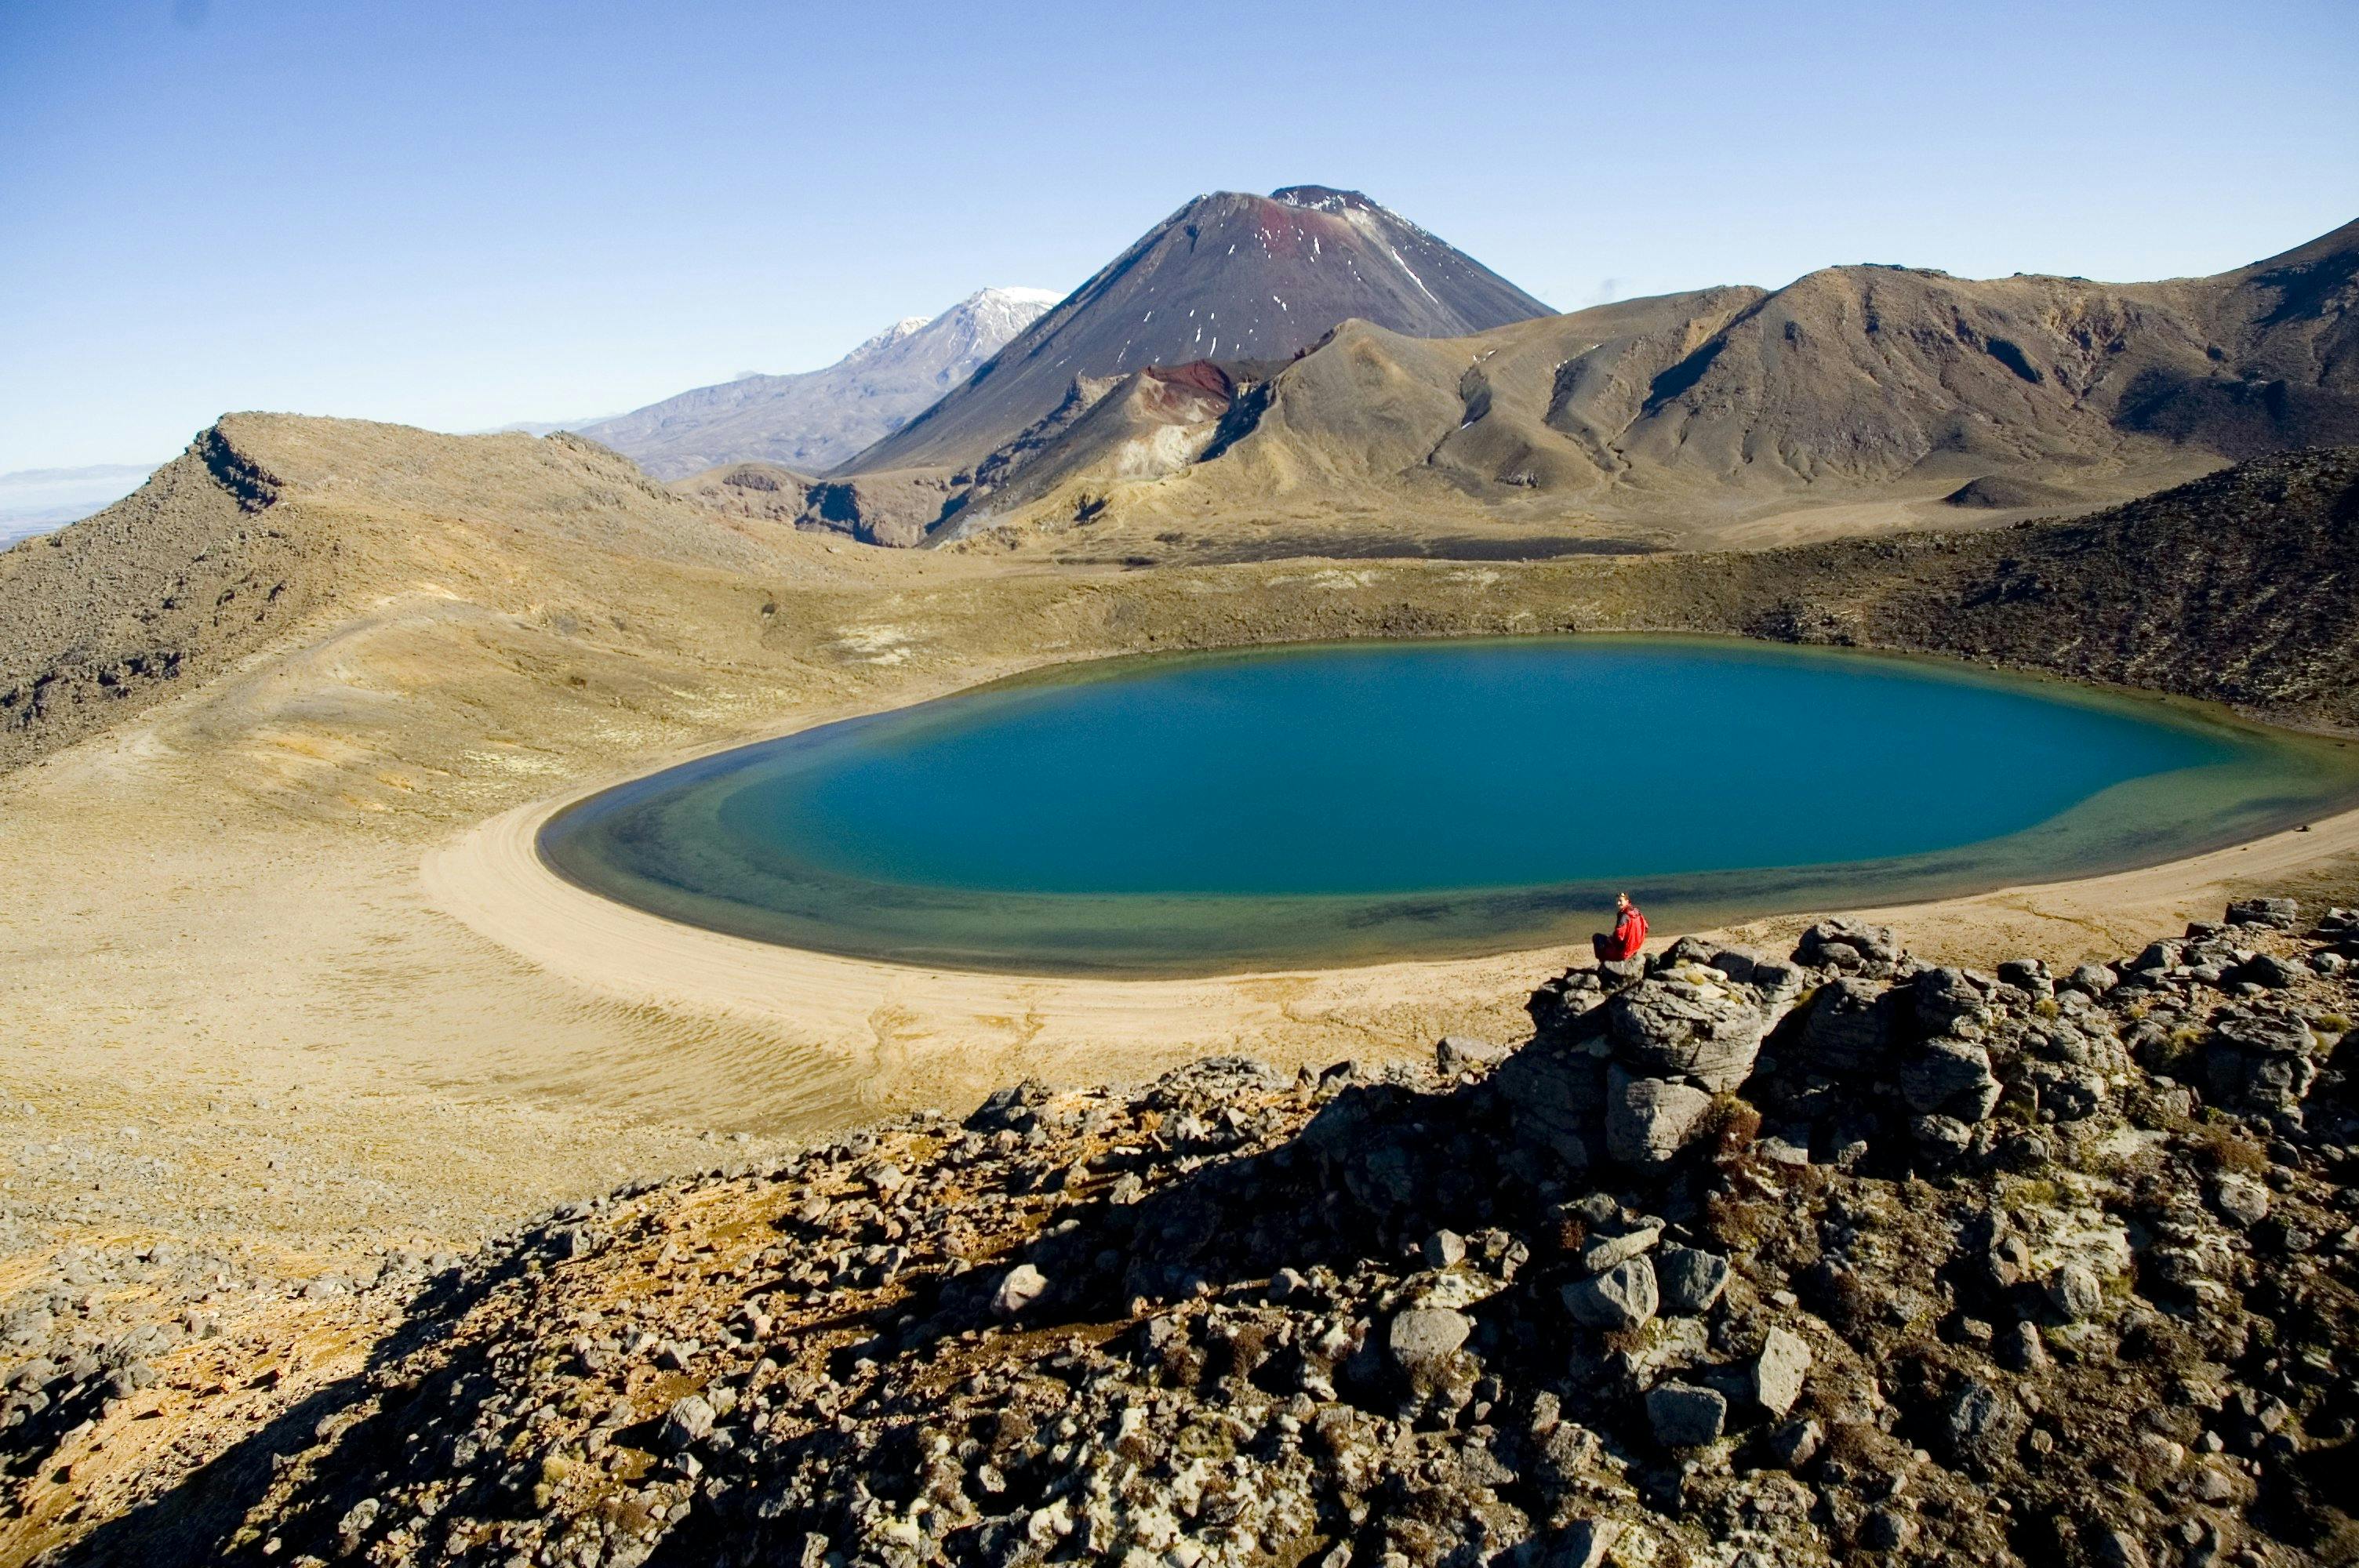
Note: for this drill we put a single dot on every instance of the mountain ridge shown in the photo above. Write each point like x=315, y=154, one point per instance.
x=1312, y=256
x=811, y=420
x=1848, y=384
x=269, y=525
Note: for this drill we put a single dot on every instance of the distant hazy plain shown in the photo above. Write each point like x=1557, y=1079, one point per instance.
x=34, y=501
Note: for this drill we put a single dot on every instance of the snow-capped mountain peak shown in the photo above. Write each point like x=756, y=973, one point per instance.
x=1229, y=277
x=813, y=420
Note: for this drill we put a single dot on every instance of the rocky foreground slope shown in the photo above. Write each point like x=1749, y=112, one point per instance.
x=1740, y=1259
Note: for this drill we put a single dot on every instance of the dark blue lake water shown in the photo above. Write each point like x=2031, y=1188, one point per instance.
x=1342, y=803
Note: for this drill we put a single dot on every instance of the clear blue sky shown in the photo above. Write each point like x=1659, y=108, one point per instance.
x=462, y=214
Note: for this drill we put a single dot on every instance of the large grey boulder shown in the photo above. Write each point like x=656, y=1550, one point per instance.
x=1623, y=1297
x=1888, y=1529
x=1601, y=1252
x=1847, y=1029
x=1778, y=1372
x=1980, y=1427
x=2074, y=1290
x=688, y=1421
x=2241, y=1200
x=1941, y=1137
x=1686, y=1416
x=1736, y=963
x=1675, y=1029
x=1009, y=1109
x=1423, y=1337
x=2091, y=979
x=2111, y=1546
x=2019, y=1349
x=1022, y=1285
x=1949, y=1077
x=1794, y=1444
x=1649, y=1120
x=1619, y=974
x=2027, y=974
x=2274, y=914
x=2257, y=1062
x=2266, y=969
x=1777, y=980
x=1691, y=1280
x=1556, y=1091
x=1564, y=1005
x=1684, y=951
x=1456, y=1053
x=1849, y=946
x=1945, y=998
x=1427, y=1345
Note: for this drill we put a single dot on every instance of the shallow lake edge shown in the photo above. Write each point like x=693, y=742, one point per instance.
x=1806, y=888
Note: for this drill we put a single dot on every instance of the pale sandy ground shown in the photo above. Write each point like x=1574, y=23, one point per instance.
x=228, y=1021
x=904, y=1035
x=2098, y=917
x=898, y=1035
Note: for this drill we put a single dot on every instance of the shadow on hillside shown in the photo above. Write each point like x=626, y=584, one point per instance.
x=192, y=1524
x=1376, y=1171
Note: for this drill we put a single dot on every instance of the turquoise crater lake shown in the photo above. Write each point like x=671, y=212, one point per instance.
x=1202, y=813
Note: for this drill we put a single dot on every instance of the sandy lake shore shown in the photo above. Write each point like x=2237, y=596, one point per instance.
x=907, y=1034
x=267, y=985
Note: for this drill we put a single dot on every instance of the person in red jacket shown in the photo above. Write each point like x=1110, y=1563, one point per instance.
x=1629, y=931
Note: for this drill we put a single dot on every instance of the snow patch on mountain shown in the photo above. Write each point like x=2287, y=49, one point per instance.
x=812, y=421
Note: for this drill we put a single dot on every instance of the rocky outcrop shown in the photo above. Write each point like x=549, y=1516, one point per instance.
x=105, y=618
x=1669, y=1041
x=272, y=529
x=2052, y=1274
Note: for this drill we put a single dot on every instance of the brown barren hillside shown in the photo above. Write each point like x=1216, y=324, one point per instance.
x=272, y=526
x=2240, y=588
x=1854, y=398
x=392, y=594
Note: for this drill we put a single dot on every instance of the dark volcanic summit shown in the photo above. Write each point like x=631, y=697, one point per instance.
x=1229, y=276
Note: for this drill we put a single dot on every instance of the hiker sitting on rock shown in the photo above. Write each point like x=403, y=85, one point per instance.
x=1629, y=931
